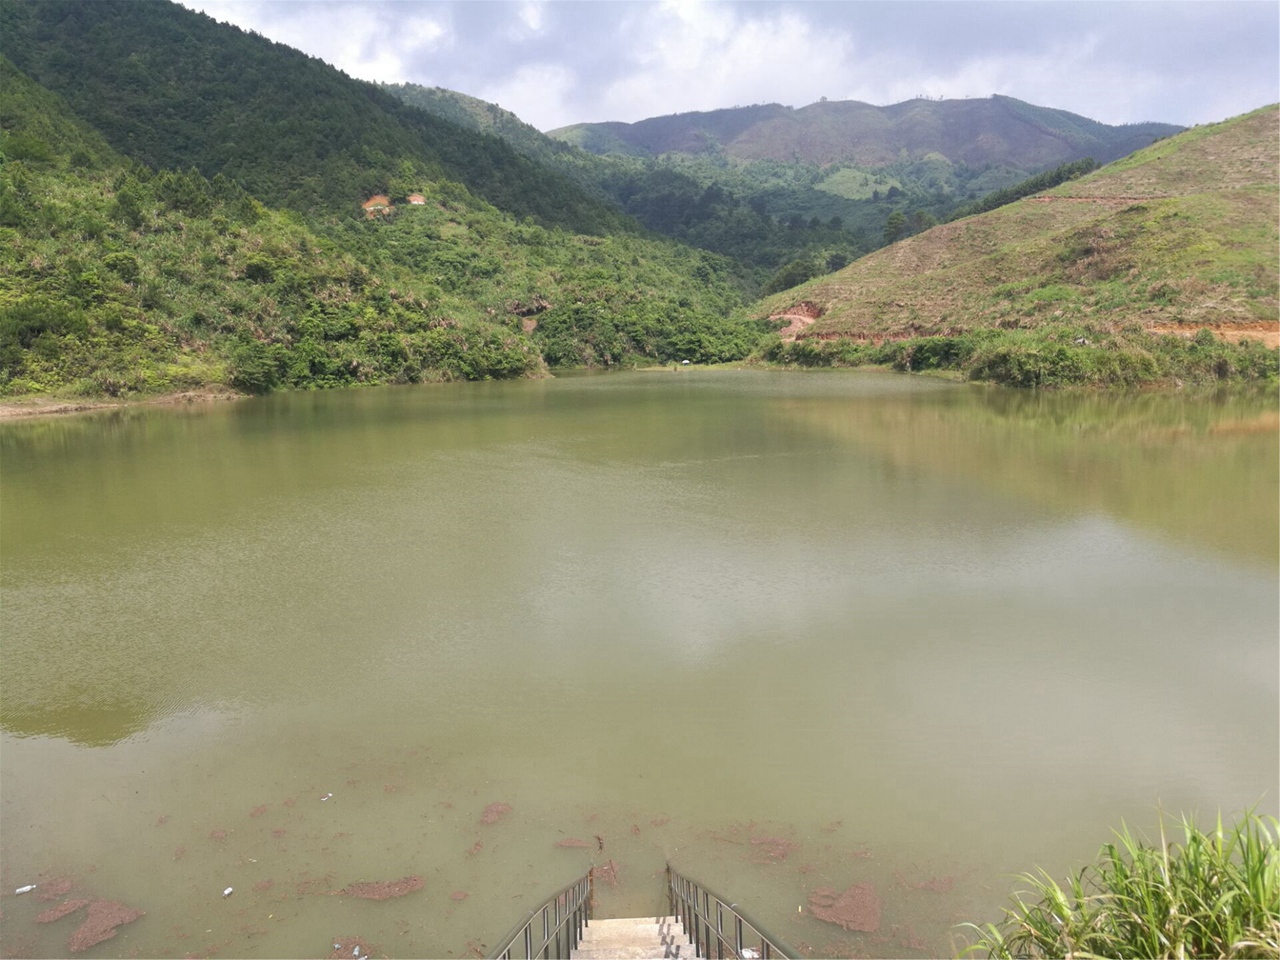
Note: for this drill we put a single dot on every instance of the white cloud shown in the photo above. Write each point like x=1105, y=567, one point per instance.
x=540, y=94
x=533, y=14
x=704, y=56
x=365, y=40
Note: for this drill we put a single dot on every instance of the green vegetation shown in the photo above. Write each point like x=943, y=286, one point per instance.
x=115, y=280
x=1036, y=184
x=1160, y=268
x=1214, y=894
x=1047, y=356
x=173, y=89
x=118, y=280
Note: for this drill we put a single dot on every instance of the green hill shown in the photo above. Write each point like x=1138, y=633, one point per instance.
x=1104, y=278
x=995, y=131
x=172, y=88
x=118, y=279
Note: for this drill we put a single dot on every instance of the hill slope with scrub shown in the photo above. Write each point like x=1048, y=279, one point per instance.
x=1147, y=269
x=118, y=279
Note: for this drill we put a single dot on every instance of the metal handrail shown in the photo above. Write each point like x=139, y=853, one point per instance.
x=562, y=918
x=702, y=913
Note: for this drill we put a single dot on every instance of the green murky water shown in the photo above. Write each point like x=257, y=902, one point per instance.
x=788, y=631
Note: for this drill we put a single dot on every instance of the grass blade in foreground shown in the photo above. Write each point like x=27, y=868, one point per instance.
x=1214, y=894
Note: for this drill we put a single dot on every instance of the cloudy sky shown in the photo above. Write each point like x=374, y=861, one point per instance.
x=555, y=62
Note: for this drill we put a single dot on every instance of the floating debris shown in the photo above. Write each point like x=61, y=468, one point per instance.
x=344, y=948
x=227, y=892
x=327, y=796
x=858, y=908
x=53, y=889
x=572, y=842
x=27, y=889
x=101, y=923
x=60, y=911
x=495, y=812
x=383, y=890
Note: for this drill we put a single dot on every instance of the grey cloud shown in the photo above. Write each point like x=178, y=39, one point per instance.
x=1184, y=62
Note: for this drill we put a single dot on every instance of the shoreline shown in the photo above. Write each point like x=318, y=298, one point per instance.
x=25, y=408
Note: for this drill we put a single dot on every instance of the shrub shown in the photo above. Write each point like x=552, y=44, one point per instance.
x=1215, y=894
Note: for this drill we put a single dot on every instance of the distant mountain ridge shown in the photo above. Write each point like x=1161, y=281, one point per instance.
x=995, y=130
x=1152, y=268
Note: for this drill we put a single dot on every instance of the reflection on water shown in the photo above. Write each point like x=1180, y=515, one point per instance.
x=791, y=632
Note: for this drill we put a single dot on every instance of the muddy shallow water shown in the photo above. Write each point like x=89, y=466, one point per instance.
x=393, y=665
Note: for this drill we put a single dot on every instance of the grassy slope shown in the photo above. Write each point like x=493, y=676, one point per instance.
x=1180, y=235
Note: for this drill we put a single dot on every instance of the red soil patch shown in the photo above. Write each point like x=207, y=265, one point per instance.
x=100, y=924
x=391, y=788
x=60, y=911
x=660, y=821
x=799, y=316
x=263, y=885
x=53, y=889
x=384, y=889
x=572, y=842
x=459, y=895
x=258, y=810
x=858, y=908
x=290, y=801
x=279, y=832
x=348, y=948
x=495, y=812
x=219, y=835
x=1266, y=332
x=179, y=852
x=635, y=829
x=475, y=848
x=161, y=821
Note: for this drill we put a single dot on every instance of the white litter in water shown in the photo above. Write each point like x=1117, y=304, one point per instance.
x=227, y=892
x=27, y=889
x=355, y=951
x=326, y=797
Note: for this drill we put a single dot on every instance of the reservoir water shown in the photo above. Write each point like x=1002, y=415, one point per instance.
x=790, y=632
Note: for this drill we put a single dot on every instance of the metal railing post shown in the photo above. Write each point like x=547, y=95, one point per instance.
x=692, y=906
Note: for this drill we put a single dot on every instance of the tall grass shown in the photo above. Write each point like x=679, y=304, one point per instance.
x=1213, y=893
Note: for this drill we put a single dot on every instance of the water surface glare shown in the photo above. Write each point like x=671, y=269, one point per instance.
x=787, y=631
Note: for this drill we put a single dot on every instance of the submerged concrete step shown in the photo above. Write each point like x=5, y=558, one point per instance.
x=633, y=938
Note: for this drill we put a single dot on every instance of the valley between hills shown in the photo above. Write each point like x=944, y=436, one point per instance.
x=206, y=213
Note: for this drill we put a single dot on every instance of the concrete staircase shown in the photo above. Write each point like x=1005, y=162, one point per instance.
x=634, y=938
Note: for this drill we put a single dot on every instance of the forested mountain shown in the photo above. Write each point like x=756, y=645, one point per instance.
x=172, y=88
x=796, y=193
x=119, y=278
x=994, y=131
